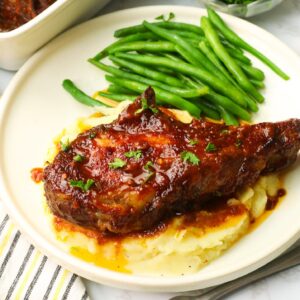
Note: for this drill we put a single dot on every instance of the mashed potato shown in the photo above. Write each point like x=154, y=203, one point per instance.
x=183, y=246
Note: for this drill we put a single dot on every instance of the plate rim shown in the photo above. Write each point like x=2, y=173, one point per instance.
x=88, y=270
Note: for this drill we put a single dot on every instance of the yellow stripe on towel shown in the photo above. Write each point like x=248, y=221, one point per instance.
x=6, y=238
x=60, y=285
x=27, y=275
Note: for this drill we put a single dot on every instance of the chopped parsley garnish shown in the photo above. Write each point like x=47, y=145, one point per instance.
x=190, y=157
x=65, y=145
x=78, y=158
x=150, y=174
x=193, y=142
x=84, y=186
x=117, y=163
x=224, y=131
x=92, y=135
x=210, y=147
x=238, y=143
x=136, y=154
x=148, y=165
x=146, y=106
x=162, y=17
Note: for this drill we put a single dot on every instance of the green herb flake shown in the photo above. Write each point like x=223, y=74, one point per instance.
x=84, y=186
x=148, y=165
x=88, y=184
x=190, y=157
x=92, y=135
x=210, y=147
x=239, y=143
x=146, y=106
x=163, y=18
x=78, y=158
x=135, y=154
x=150, y=174
x=171, y=16
x=224, y=131
x=65, y=146
x=153, y=109
x=193, y=142
x=117, y=163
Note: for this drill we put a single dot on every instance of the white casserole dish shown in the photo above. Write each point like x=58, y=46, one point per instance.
x=18, y=45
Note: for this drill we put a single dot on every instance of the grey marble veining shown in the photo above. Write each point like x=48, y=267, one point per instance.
x=283, y=22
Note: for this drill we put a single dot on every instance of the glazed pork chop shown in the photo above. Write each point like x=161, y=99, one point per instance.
x=129, y=175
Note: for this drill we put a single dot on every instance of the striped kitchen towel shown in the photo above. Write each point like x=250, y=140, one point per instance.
x=25, y=273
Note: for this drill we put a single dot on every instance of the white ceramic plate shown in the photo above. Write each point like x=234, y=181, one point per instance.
x=35, y=109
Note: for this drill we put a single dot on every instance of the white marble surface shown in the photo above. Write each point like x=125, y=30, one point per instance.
x=283, y=22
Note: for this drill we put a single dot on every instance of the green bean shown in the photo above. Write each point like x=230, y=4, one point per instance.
x=238, y=56
x=159, y=46
x=229, y=62
x=115, y=89
x=252, y=72
x=227, y=44
x=207, y=110
x=211, y=106
x=258, y=84
x=166, y=71
x=194, y=41
x=205, y=48
x=228, y=118
x=130, y=38
x=189, y=81
x=117, y=97
x=228, y=105
x=79, y=95
x=185, y=68
x=219, y=100
x=161, y=95
x=188, y=35
x=211, y=55
x=187, y=56
x=198, y=56
x=150, y=82
x=144, y=71
x=152, y=74
x=169, y=25
x=239, y=42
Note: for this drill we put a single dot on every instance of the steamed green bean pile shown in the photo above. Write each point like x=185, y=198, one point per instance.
x=201, y=69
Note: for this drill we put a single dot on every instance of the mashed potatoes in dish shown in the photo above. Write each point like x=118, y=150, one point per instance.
x=182, y=245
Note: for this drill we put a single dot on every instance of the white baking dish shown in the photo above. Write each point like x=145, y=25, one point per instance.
x=18, y=45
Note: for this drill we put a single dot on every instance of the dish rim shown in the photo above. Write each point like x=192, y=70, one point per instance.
x=179, y=283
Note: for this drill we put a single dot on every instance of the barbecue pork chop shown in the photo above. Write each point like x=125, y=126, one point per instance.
x=146, y=166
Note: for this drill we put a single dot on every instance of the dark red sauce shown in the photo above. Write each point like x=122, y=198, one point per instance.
x=14, y=13
x=213, y=213
x=272, y=201
x=37, y=174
